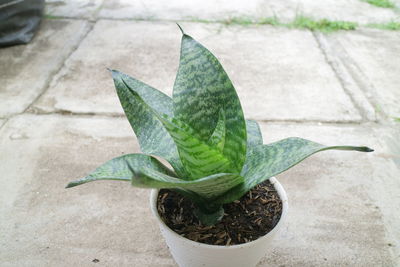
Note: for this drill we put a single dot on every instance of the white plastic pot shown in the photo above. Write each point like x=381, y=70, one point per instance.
x=188, y=253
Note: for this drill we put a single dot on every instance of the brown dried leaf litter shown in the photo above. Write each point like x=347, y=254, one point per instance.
x=245, y=220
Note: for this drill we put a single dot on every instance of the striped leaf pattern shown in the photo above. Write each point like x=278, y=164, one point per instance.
x=147, y=172
x=216, y=154
x=122, y=168
x=268, y=160
x=217, y=139
x=254, y=136
x=198, y=158
x=202, y=88
x=150, y=132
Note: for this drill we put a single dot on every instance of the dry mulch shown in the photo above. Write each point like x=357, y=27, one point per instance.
x=245, y=220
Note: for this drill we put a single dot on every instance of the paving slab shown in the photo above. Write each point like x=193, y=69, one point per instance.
x=343, y=205
x=44, y=224
x=73, y=8
x=266, y=64
x=373, y=57
x=177, y=10
x=347, y=10
x=350, y=10
x=25, y=70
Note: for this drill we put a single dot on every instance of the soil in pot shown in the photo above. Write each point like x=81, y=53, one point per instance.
x=245, y=220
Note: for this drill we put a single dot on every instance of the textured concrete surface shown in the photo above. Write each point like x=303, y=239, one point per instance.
x=44, y=224
x=334, y=89
x=151, y=53
x=343, y=205
x=374, y=57
x=73, y=8
x=25, y=70
x=176, y=9
x=350, y=10
x=354, y=89
x=347, y=10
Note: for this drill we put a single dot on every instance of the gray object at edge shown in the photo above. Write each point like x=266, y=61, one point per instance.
x=19, y=20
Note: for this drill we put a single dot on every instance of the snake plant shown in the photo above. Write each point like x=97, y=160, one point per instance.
x=216, y=154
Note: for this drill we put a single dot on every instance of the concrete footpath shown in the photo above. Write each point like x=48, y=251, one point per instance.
x=60, y=118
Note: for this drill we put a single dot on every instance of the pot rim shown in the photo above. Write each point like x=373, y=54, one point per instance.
x=281, y=192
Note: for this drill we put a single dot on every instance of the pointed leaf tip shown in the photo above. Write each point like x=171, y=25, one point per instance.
x=71, y=184
x=180, y=28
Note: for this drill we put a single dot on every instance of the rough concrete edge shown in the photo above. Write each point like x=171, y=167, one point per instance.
x=389, y=222
x=37, y=110
x=3, y=122
x=95, y=14
x=92, y=16
x=349, y=84
x=85, y=30
x=364, y=82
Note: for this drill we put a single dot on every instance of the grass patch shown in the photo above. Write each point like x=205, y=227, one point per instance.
x=323, y=25
x=247, y=21
x=243, y=21
x=392, y=25
x=397, y=119
x=300, y=22
x=193, y=19
x=303, y=22
x=51, y=17
x=270, y=21
x=380, y=3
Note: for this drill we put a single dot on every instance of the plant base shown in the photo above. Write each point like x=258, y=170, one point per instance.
x=245, y=220
x=190, y=253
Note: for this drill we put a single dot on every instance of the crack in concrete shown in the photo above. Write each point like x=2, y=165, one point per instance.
x=349, y=85
x=4, y=123
x=63, y=112
x=54, y=73
x=66, y=112
x=363, y=82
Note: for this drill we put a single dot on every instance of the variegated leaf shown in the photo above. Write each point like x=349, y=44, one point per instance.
x=152, y=136
x=202, y=88
x=207, y=187
x=198, y=158
x=217, y=139
x=254, y=136
x=147, y=172
x=268, y=160
x=122, y=168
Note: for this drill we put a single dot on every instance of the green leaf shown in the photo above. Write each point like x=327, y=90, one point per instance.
x=207, y=187
x=202, y=88
x=152, y=136
x=198, y=158
x=122, y=169
x=268, y=160
x=217, y=139
x=147, y=172
x=254, y=136
x=209, y=218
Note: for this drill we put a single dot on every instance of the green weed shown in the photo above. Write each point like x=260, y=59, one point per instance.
x=380, y=3
x=323, y=25
x=392, y=25
x=244, y=21
x=269, y=21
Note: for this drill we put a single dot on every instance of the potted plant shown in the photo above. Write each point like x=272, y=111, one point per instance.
x=219, y=168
